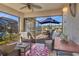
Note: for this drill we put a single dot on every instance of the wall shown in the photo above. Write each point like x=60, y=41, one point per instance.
x=13, y=12
x=45, y=13
x=71, y=24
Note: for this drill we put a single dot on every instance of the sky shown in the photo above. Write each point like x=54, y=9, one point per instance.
x=2, y=14
x=57, y=18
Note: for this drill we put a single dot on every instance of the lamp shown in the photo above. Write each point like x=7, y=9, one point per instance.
x=65, y=9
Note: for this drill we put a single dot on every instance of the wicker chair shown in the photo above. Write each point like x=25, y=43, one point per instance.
x=27, y=37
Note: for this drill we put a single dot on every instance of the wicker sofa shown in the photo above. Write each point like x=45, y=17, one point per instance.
x=7, y=49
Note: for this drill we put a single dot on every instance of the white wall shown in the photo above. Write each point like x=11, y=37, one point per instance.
x=71, y=25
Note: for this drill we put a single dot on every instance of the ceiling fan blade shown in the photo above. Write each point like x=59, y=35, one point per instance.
x=27, y=4
x=23, y=7
x=36, y=6
x=24, y=3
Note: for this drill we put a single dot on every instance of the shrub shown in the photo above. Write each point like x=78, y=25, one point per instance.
x=9, y=37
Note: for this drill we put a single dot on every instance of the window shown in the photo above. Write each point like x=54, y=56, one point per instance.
x=9, y=21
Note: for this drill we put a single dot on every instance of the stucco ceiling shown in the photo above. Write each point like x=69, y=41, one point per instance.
x=45, y=6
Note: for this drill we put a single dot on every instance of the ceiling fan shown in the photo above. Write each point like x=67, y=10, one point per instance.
x=30, y=6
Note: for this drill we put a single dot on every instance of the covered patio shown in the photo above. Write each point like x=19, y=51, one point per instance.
x=26, y=35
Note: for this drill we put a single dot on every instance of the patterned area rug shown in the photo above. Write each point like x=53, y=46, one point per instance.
x=38, y=50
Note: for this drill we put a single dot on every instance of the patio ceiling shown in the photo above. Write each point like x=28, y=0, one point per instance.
x=45, y=6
